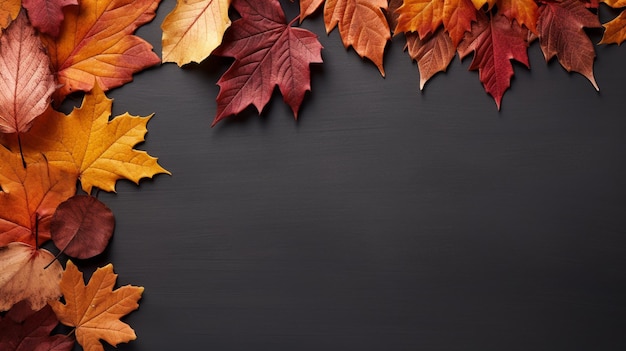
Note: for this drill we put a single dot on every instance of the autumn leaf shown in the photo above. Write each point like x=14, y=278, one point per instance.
x=194, y=29
x=87, y=144
x=478, y=4
x=96, y=45
x=47, y=15
x=267, y=52
x=82, y=226
x=425, y=16
x=29, y=196
x=362, y=25
x=95, y=309
x=23, y=276
x=26, y=82
x=433, y=53
x=307, y=7
x=24, y=329
x=615, y=30
x=9, y=9
x=495, y=42
x=523, y=11
x=560, y=29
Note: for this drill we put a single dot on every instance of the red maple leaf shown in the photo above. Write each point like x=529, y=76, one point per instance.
x=495, y=42
x=268, y=52
x=561, y=34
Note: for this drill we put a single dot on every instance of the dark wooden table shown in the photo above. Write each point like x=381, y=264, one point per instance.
x=385, y=218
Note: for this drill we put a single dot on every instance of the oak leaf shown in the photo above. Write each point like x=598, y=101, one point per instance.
x=26, y=82
x=97, y=44
x=268, y=52
x=47, y=15
x=425, y=16
x=24, y=276
x=29, y=196
x=24, y=329
x=193, y=30
x=362, y=25
x=560, y=30
x=495, y=42
x=87, y=144
x=9, y=9
x=95, y=309
x=82, y=226
x=433, y=53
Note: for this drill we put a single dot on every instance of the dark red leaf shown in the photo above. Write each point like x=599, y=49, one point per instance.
x=82, y=226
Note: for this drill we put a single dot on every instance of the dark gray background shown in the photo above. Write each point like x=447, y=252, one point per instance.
x=385, y=218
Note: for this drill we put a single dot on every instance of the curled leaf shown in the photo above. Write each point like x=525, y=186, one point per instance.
x=23, y=276
x=82, y=226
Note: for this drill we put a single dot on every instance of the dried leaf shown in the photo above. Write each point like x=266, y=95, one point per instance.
x=194, y=29
x=26, y=82
x=307, y=7
x=82, y=226
x=47, y=15
x=560, y=28
x=9, y=9
x=615, y=30
x=433, y=53
x=523, y=11
x=495, y=42
x=87, y=144
x=425, y=16
x=95, y=309
x=29, y=197
x=24, y=329
x=267, y=52
x=362, y=25
x=23, y=276
x=97, y=44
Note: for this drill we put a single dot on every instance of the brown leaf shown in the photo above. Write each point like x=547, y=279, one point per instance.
x=82, y=226
x=433, y=53
x=95, y=309
x=23, y=276
x=26, y=82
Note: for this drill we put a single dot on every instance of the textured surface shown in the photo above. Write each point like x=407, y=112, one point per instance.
x=385, y=218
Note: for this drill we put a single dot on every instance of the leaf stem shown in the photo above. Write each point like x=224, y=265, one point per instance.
x=19, y=143
x=293, y=21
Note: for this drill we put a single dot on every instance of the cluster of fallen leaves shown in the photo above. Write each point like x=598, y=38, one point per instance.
x=270, y=51
x=48, y=50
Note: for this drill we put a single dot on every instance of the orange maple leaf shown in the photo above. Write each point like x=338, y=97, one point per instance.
x=433, y=53
x=425, y=16
x=29, y=196
x=87, y=144
x=95, y=309
x=96, y=44
x=362, y=25
x=525, y=12
x=9, y=9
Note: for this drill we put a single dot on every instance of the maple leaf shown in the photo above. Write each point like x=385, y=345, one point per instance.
x=523, y=11
x=26, y=82
x=24, y=276
x=495, y=43
x=307, y=7
x=29, y=197
x=94, y=309
x=433, y=53
x=82, y=226
x=47, y=15
x=362, y=25
x=478, y=4
x=267, y=52
x=615, y=30
x=87, y=144
x=9, y=9
x=96, y=44
x=193, y=30
x=24, y=329
x=560, y=30
x=425, y=16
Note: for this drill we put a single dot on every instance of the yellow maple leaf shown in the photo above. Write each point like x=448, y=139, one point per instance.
x=86, y=143
x=193, y=30
x=95, y=309
x=480, y=3
x=425, y=16
x=9, y=9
